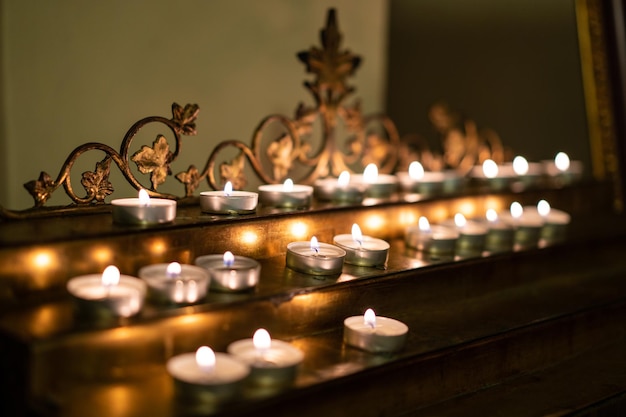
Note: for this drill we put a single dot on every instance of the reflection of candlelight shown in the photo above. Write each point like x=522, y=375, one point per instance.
x=490, y=168
x=561, y=161
x=520, y=165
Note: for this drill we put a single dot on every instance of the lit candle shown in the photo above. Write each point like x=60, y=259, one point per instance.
x=207, y=376
x=555, y=221
x=143, y=210
x=339, y=189
x=527, y=225
x=286, y=195
x=272, y=362
x=231, y=273
x=363, y=250
x=472, y=235
x=436, y=239
x=416, y=180
x=562, y=170
x=377, y=185
x=176, y=283
x=501, y=235
x=529, y=174
x=315, y=258
x=228, y=201
x=374, y=334
x=498, y=177
x=108, y=294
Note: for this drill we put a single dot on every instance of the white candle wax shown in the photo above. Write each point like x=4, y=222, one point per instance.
x=94, y=299
x=435, y=239
x=226, y=370
x=187, y=286
x=287, y=195
x=326, y=260
x=143, y=210
x=274, y=363
x=228, y=201
x=383, y=335
x=363, y=250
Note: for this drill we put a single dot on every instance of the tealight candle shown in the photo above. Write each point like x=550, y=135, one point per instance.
x=555, y=224
x=377, y=185
x=231, y=273
x=143, y=210
x=339, y=189
x=563, y=170
x=374, y=334
x=498, y=177
x=501, y=235
x=206, y=376
x=436, y=239
x=107, y=295
x=176, y=283
x=271, y=361
x=286, y=195
x=472, y=235
x=528, y=174
x=228, y=201
x=363, y=250
x=315, y=258
x=416, y=180
x=527, y=226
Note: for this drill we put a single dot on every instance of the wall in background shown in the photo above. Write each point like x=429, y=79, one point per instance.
x=76, y=71
x=512, y=65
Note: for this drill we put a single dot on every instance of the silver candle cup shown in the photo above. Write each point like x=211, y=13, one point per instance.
x=96, y=301
x=241, y=275
x=328, y=260
x=275, y=366
x=277, y=195
x=383, y=186
x=500, y=237
x=187, y=287
x=329, y=189
x=438, y=240
x=388, y=335
x=369, y=251
x=235, y=202
x=131, y=211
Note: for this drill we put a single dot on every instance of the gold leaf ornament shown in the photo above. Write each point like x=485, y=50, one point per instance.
x=191, y=179
x=40, y=189
x=96, y=182
x=154, y=160
x=185, y=118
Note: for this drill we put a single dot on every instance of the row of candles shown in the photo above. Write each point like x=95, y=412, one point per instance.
x=350, y=188
x=262, y=361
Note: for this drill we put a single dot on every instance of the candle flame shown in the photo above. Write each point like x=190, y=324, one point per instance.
x=491, y=215
x=315, y=246
x=516, y=210
x=424, y=225
x=228, y=188
x=262, y=340
x=288, y=185
x=205, y=359
x=173, y=270
x=543, y=208
x=110, y=276
x=144, y=198
x=520, y=165
x=229, y=259
x=357, y=236
x=370, y=173
x=416, y=171
x=459, y=220
x=561, y=161
x=490, y=168
x=344, y=179
x=369, y=318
